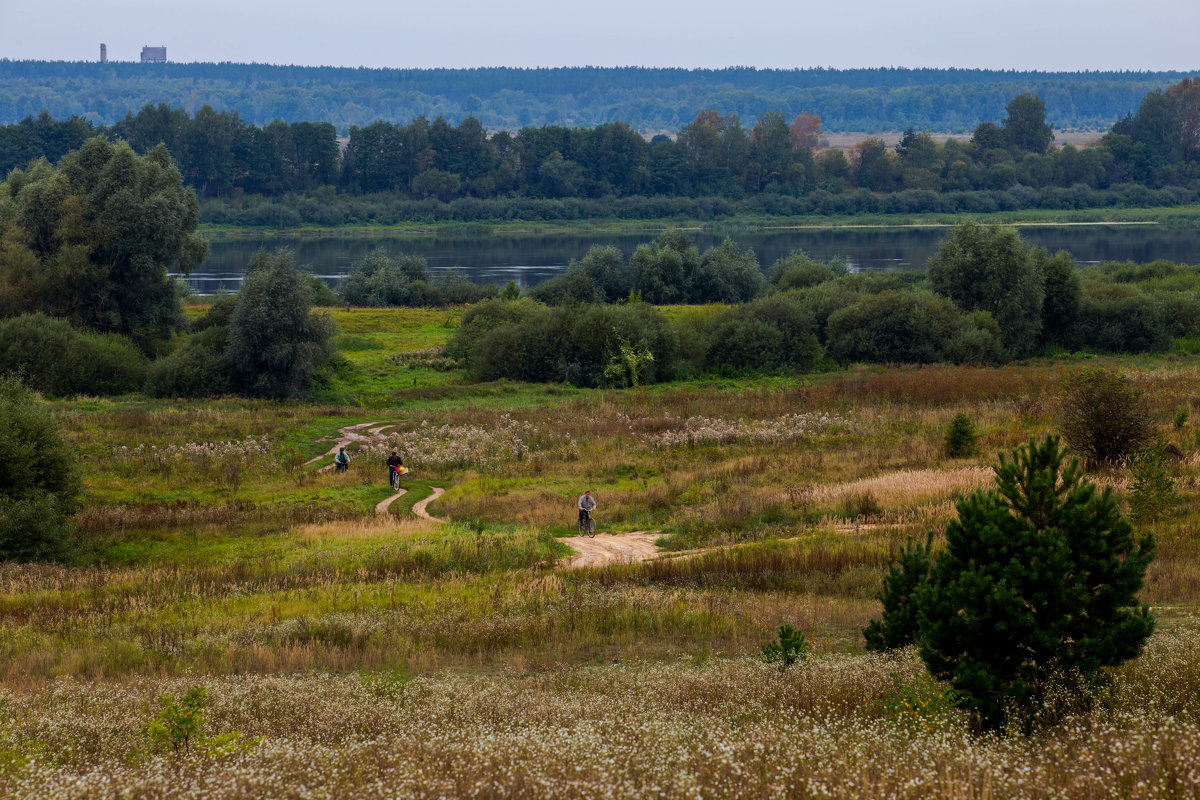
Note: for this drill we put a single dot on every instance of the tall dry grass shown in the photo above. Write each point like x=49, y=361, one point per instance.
x=695, y=728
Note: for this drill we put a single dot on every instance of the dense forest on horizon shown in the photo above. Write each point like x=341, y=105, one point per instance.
x=650, y=100
x=289, y=174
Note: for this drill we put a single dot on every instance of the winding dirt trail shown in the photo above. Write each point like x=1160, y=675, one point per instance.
x=420, y=508
x=362, y=432
x=611, y=548
x=383, y=505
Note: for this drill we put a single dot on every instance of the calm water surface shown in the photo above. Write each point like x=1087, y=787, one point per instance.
x=531, y=259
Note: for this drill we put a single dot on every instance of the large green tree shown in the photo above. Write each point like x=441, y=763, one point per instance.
x=1025, y=126
x=988, y=268
x=276, y=344
x=93, y=239
x=1037, y=586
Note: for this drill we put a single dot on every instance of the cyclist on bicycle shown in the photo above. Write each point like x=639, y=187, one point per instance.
x=394, y=463
x=587, y=504
x=341, y=462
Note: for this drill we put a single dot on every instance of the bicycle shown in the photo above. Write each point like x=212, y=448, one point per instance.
x=395, y=477
x=587, y=525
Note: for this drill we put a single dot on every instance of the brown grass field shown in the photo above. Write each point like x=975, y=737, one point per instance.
x=349, y=655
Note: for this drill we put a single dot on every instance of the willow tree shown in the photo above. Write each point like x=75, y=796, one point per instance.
x=93, y=239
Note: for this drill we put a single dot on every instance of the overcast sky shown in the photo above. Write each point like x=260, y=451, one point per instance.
x=1017, y=34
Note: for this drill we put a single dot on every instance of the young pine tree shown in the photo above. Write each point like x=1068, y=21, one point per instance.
x=1037, y=583
x=898, y=626
x=961, y=437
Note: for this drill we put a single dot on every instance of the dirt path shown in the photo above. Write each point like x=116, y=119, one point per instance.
x=362, y=432
x=383, y=505
x=420, y=507
x=611, y=548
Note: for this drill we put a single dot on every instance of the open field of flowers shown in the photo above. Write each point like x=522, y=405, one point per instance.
x=350, y=654
x=829, y=727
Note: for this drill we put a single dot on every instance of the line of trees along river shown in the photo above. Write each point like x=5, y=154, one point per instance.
x=529, y=260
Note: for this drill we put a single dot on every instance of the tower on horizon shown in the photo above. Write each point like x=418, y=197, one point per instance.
x=154, y=55
x=103, y=53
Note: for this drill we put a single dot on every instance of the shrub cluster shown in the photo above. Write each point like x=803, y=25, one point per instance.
x=263, y=342
x=380, y=279
x=585, y=345
x=58, y=359
x=38, y=481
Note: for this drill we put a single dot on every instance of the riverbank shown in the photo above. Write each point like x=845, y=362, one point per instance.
x=1185, y=216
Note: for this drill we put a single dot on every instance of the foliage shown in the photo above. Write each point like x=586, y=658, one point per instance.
x=771, y=334
x=575, y=344
x=39, y=479
x=276, y=344
x=1123, y=324
x=798, y=270
x=899, y=625
x=663, y=272
x=1025, y=126
x=921, y=707
x=1103, y=416
x=789, y=647
x=92, y=240
x=910, y=327
x=627, y=365
x=57, y=359
x=1063, y=295
x=198, y=367
x=178, y=724
x=1152, y=494
x=1037, y=586
x=381, y=280
x=961, y=437
x=726, y=275
x=989, y=268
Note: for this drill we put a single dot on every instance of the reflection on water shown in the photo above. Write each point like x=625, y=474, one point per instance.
x=528, y=260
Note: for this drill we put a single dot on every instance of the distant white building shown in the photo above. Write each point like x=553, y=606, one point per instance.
x=154, y=55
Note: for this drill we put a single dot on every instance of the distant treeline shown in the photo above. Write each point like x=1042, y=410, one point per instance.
x=436, y=170
x=649, y=100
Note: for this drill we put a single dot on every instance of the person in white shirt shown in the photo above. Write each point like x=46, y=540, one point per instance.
x=587, y=504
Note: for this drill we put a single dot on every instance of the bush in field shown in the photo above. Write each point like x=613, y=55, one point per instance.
x=378, y=279
x=899, y=625
x=573, y=286
x=726, y=275
x=789, y=647
x=989, y=268
x=798, y=270
x=197, y=368
x=909, y=326
x=608, y=272
x=1063, y=296
x=38, y=479
x=58, y=359
x=823, y=300
x=1151, y=487
x=276, y=343
x=961, y=437
x=771, y=334
x=662, y=272
x=528, y=341
x=1103, y=416
x=1036, y=590
x=1128, y=324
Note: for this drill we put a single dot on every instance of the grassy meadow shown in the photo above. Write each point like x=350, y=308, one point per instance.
x=352, y=654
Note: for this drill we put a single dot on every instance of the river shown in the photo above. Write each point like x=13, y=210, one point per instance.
x=529, y=259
